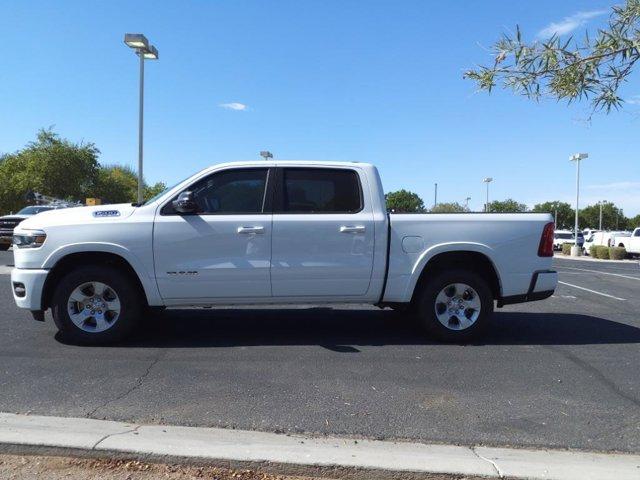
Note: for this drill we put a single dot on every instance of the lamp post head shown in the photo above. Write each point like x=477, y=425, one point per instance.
x=576, y=157
x=140, y=44
x=266, y=154
x=488, y=180
x=136, y=40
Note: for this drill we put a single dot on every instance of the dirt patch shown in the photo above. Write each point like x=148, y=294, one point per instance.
x=32, y=467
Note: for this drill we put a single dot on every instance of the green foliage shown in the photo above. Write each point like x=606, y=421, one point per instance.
x=617, y=253
x=566, y=248
x=565, y=69
x=451, y=207
x=602, y=252
x=612, y=217
x=153, y=190
x=566, y=214
x=51, y=166
x=633, y=222
x=60, y=168
x=404, y=201
x=507, y=206
x=116, y=184
x=593, y=251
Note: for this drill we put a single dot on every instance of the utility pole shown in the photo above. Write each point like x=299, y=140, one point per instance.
x=555, y=218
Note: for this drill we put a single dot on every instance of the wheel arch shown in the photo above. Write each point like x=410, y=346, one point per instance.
x=466, y=258
x=67, y=262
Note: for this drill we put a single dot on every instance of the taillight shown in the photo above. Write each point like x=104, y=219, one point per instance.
x=545, y=249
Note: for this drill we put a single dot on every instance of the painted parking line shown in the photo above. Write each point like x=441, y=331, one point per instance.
x=599, y=271
x=591, y=291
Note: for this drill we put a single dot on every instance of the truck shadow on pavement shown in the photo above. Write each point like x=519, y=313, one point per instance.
x=343, y=330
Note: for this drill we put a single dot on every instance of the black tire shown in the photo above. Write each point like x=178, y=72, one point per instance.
x=426, y=306
x=126, y=291
x=4, y=247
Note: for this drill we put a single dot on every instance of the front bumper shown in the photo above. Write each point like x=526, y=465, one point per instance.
x=33, y=282
x=543, y=284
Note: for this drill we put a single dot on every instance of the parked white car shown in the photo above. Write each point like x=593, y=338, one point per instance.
x=277, y=232
x=561, y=237
x=630, y=242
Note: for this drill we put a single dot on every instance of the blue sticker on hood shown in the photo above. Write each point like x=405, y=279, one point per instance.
x=106, y=213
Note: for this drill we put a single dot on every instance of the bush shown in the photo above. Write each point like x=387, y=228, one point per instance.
x=592, y=251
x=566, y=248
x=617, y=253
x=602, y=252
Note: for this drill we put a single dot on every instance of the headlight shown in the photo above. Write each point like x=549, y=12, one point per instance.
x=33, y=239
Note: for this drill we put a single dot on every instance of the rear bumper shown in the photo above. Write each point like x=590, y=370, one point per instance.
x=543, y=284
x=33, y=282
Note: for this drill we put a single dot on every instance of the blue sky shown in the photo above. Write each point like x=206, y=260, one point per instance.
x=370, y=81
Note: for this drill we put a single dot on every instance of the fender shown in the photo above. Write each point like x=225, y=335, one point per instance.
x=434, y=250
x=148, y=281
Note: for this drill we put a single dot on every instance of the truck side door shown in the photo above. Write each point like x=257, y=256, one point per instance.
x=224, y=249
x=323, y=233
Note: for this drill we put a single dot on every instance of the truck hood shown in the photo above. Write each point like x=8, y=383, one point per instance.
x=78, y=215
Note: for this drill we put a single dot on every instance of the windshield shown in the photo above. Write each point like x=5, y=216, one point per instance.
x=34, y=209
x=564, y=235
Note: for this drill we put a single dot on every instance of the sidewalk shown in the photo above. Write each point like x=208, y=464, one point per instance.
x=300, y=455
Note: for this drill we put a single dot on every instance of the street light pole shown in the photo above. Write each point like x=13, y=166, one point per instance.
x=435, y=196
x=140, y=44
x=487, y=180
x=140, y=128
x=575, y=250
x=600, y=226
x=466, y=203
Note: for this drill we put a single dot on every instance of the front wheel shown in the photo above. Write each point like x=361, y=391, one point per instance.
x=455, y=306
x=96, y=305
x=4, y=247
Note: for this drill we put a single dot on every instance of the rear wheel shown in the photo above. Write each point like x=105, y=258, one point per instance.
x=96, y=305
x=4, y=246
x=455, y=306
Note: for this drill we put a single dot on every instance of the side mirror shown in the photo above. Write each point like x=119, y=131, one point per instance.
x=185, y=204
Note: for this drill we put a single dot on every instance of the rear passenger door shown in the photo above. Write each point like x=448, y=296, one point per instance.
x=323, y=238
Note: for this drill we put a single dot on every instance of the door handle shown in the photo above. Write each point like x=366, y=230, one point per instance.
x=253, y=229
x=352, y=229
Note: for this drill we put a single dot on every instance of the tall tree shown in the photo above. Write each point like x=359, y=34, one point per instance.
x=404, y=201
x=612, y=217
x=49, y=165
x=451, y=207
x=634, y=222
x=119, y=184
x=507, y=206
x=562, y=212
x=569, y=70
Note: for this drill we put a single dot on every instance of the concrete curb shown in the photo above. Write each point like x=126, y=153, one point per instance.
x=353, y=458
x=5, y=270
x=586, y=258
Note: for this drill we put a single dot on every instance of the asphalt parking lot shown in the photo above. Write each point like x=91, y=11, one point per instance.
x=560, y=373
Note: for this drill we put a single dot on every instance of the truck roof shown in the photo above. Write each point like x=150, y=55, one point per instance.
x=275, y=163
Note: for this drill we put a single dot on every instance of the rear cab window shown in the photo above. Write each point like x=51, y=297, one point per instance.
x=319, y=190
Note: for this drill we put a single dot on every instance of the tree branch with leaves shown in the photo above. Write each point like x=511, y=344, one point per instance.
x=592, y=69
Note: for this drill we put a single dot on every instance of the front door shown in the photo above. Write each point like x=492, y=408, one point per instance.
x=323, y=235
x=223, y=250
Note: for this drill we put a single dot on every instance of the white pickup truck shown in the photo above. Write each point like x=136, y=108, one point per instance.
x=283, y=232
x=630, y=243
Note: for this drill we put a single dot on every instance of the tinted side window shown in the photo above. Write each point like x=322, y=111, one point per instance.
x=320, y=190
x=230, y=191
